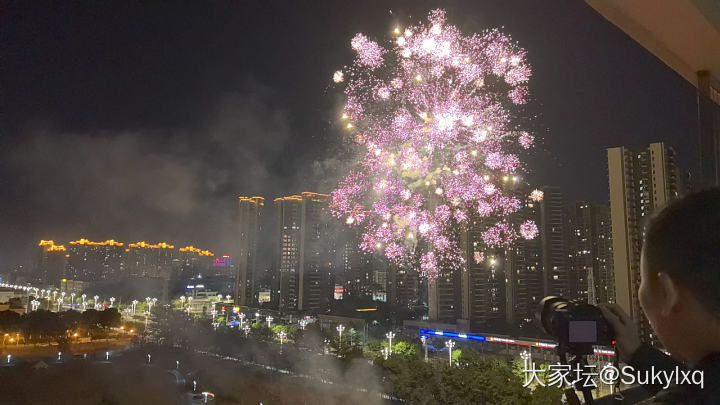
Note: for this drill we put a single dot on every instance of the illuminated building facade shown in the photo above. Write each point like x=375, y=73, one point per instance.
x=641, y=180
x=250, y=213
x=95, y=261
x=288, y=212
x=553, y=238
x=590, y=253
x=53, y=260
x=523, y=272
x=318, y=230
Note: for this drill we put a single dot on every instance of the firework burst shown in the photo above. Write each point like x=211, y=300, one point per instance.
x=431, y=113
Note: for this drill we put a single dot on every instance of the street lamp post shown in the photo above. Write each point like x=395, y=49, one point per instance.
x=134, y=304
x=340, y=329
x=390, y=335
x=424, y=343
x=282, y=335
x=84, y=305
x=112, y=301
x=72, y=300
x=242, y=320
x=59, y=302
x=450, y=344
x=95, y=299
x=385, y=352
x=269, y=320
x=527, y=361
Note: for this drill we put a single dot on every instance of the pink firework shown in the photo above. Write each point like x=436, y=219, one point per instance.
x=432, y=115
x=528, y=230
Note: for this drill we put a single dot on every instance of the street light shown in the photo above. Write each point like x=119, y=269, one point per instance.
x=149, y=357
x=134, y=304
x=269, y=320
x=385, y=352
x=424, y=343
x=340, y=329
x=242, y=319
x=112, y=301
x=177, y=364
x=95, y=304
x=390, y=335
x=59, y=302
x=72, y=300
x=282, y=335
x=84, y=305
x=526, y=356
x=59, y=356
x=450, y=344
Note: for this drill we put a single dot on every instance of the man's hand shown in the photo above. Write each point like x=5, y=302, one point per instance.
x=626, y=334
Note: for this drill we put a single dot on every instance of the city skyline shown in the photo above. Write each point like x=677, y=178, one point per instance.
x=171, y=175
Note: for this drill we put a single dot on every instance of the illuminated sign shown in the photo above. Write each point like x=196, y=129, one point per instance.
x=224, y=261
x=504, y=340
x=264, y=296
x=338, y=292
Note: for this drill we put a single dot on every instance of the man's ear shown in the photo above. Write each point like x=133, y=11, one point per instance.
x=670, y=293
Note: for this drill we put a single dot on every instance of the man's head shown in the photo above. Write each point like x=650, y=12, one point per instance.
x=680, y=275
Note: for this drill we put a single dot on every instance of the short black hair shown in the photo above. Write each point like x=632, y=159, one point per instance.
x=683, y=240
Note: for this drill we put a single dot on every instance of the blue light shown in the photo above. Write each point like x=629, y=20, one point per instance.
x=468, y=336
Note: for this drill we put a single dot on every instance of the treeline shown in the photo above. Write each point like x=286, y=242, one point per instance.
x=43, y=326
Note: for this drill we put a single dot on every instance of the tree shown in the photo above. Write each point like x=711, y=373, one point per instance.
x=109, y=318
x=42, y=324
x=72, y=318
x=9, y=321
x=474, y=379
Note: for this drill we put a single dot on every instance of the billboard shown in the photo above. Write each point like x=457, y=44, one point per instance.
x=264, y=296
x=338, y=292
x=223, y=261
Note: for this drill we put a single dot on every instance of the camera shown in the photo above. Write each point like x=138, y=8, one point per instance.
x=576, y=326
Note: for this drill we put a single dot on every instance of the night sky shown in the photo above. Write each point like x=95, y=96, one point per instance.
x=145, y=122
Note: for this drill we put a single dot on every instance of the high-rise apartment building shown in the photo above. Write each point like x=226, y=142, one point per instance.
x=318, y=252
x=53, y=261
x=553, y=240
x=405, y=288
x=288, y=211
x=482, y=282
x=590, y=253
x=96, y=261
x=641, y=181
x=150, y=260
x=709, y=128
x=250, y=210
x=306, y=251
x=524, y=275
